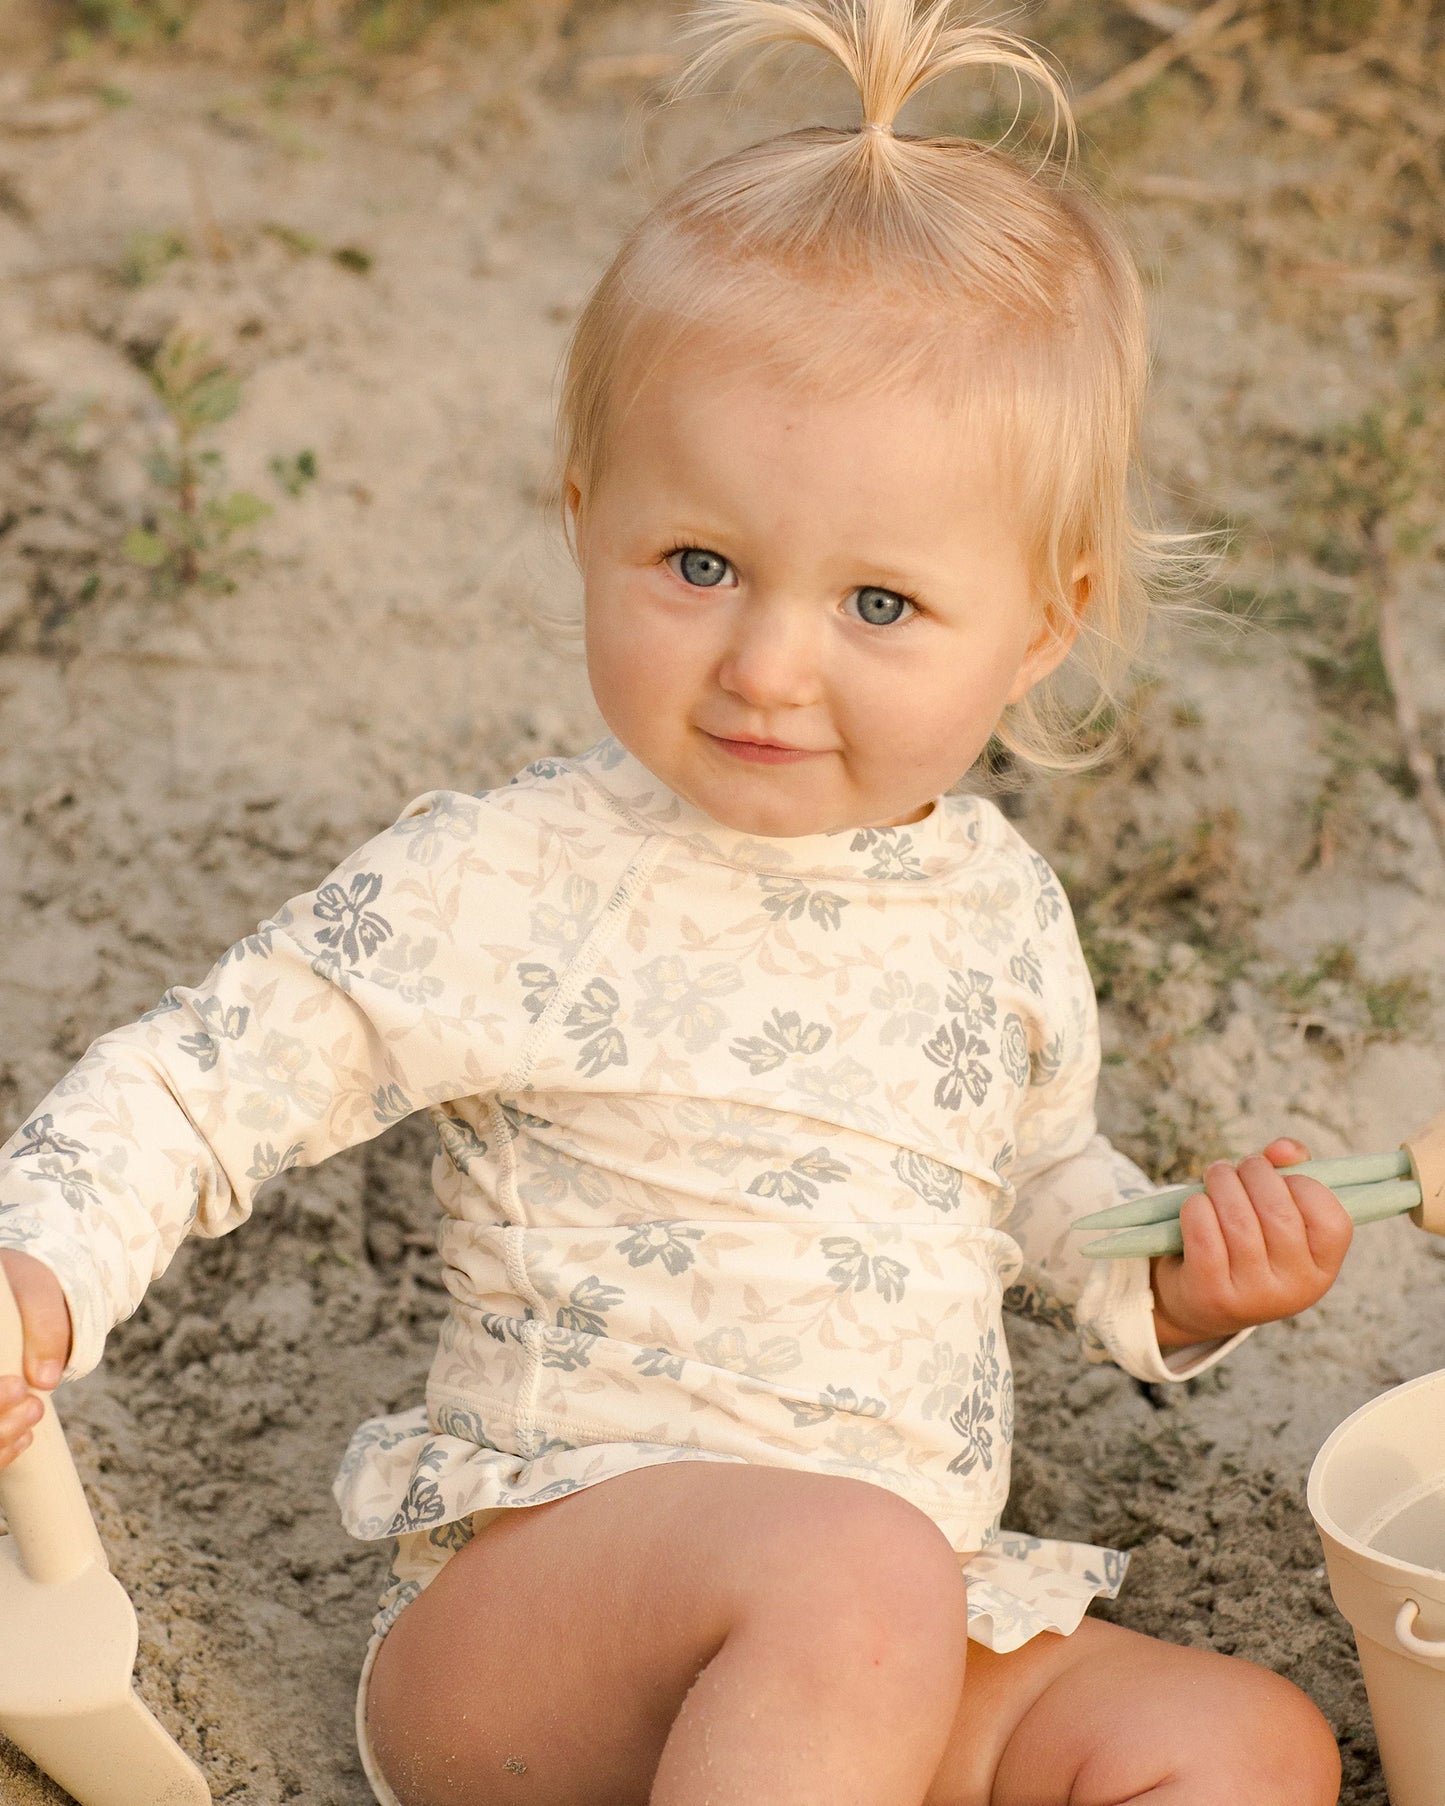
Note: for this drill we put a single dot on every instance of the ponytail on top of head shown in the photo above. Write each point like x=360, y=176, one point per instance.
x=890, y=48
x=936, y=265
x=870, y=187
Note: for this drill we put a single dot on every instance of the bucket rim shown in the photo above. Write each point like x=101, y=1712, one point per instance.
x=1325, y=1519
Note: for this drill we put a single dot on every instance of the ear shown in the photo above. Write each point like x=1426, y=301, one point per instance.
x=572, y=502
x=1054, y=641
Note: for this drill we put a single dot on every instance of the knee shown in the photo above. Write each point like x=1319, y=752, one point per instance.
x=871, y=1581
x=1281, y=1752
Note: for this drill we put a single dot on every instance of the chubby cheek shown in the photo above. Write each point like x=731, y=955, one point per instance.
x=931, y=722
x=639, y=670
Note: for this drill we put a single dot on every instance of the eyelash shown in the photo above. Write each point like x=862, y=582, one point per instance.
x=902, y=595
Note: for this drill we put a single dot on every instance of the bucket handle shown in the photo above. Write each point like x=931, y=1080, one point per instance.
x=1408, y=1641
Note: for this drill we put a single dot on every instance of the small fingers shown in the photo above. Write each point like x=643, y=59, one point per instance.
x=1328, y=1226
x=44, y=1318
x=1286, y=1151
x=1240, y=1226
x=18, y=1418
x=1276, y=1210
x=1205, y=1249
x=1198, y=1283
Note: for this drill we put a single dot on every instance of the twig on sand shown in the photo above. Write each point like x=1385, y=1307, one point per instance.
x=1407, y=714
x=645, y=66
x=208, y=227
x=1191, y=36
x=1160, y=14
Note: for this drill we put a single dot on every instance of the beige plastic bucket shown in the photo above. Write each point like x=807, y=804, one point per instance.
x=1377, y=1494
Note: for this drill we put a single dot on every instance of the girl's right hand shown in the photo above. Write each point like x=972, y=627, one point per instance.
x=45, y=1325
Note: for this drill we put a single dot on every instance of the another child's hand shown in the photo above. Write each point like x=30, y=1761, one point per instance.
x=45, y=1322
x=1257, y=1246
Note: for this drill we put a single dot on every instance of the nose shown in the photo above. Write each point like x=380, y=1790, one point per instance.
x=774, y=655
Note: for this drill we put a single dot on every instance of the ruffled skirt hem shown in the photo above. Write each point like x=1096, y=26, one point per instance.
x=433, y=1492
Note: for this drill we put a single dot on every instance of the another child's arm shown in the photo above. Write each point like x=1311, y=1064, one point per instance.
x=1257, y=1246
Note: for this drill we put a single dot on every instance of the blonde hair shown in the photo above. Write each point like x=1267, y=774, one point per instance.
x=941, y=263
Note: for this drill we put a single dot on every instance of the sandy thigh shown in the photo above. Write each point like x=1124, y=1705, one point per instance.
x=566, y=1636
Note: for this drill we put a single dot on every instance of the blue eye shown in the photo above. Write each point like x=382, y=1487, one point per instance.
x=701, y=568
x=878, y=607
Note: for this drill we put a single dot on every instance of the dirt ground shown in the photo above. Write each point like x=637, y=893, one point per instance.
x=384, y=232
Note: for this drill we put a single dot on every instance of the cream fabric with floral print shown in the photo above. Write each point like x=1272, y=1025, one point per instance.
x=744, y=1146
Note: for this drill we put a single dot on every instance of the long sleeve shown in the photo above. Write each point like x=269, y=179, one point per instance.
x=1064, y=1169
x=352, y=1007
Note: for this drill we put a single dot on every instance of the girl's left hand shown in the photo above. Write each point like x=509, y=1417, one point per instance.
x=1257, y=1246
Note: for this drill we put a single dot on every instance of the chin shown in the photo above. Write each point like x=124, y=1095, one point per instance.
x=768, y=826
x=773, y=818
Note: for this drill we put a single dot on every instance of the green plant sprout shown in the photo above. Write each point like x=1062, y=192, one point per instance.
x=1392, y=1007
x=188, y=536
x=294, y=474
x=354, y=258
x=146, y=254
x=290, y=238
x=128, y=24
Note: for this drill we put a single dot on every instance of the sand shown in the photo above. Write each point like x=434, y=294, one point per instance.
x=171, y=769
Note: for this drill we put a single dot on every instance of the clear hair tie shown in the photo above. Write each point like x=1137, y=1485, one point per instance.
x=872, y=125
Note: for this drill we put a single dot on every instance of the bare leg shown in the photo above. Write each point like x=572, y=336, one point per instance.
x=1107, y=1717
x=708, y=1635
x=692, y=1634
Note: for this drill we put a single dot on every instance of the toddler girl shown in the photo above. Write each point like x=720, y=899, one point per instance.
x=762, y=1069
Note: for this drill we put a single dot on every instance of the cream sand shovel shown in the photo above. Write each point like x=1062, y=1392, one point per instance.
x=68, y=1634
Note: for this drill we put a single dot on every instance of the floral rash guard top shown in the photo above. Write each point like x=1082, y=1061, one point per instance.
x=744, y=1146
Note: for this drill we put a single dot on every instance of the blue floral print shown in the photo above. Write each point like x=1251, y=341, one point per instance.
x=566, y=928
x=1013, y=1050
x=669, y=1243
x=1046, y=1061
x=267, y=1163
x=853, y=1269
x=590, y=1020
x=798, y=1182
x=352, y=928
x=588, y=1306
x=784, y=1033
x=786, y=899
x=40, y=1136
x=893, y=855
x=389, y=1103
x=1026, y=968
x=971, y=994
x=807, y=1414
x=683, y=1002
x=937, y=1184
x=960, y=1052
x=971, y=1420
x=1049, y=903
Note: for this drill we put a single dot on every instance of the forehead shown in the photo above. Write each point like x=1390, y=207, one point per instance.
x=731, y=410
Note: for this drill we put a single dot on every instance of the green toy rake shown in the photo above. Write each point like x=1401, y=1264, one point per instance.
x=1370, y=1186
